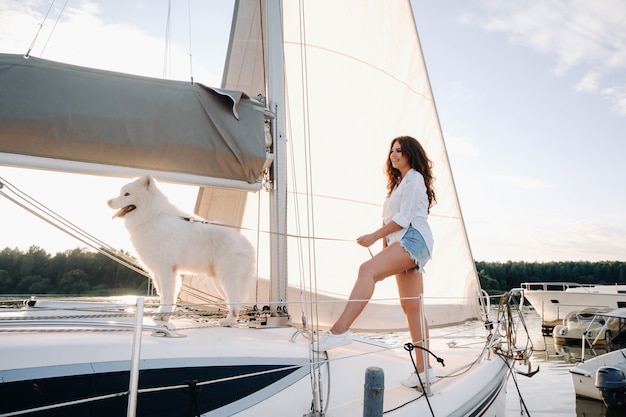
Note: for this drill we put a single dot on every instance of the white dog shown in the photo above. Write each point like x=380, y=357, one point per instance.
x=169, y=242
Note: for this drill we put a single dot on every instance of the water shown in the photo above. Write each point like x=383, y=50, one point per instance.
x=550, y=392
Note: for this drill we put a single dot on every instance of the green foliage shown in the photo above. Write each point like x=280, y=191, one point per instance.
x=84, y=272
x=498, y=277
x=73, y=272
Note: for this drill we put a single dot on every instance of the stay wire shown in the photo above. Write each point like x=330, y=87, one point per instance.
x=32, y=44
x=53, y=28
x=321, y=405
x=168, y=40
x=512, y=374
x=190, y=54
x=44, y=213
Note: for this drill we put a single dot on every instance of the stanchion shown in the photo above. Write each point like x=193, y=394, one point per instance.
x=134, y=362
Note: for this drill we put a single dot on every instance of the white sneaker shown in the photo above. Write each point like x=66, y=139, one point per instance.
x=412, y=381
x=330, y=341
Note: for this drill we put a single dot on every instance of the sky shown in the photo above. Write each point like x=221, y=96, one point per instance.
x=531, y=98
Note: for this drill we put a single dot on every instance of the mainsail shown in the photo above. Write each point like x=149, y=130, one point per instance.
x=347, y=96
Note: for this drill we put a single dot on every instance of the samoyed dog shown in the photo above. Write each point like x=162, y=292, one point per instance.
x=170, y=242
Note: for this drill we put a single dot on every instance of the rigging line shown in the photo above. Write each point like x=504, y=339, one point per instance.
x=32, y=44
x=168, y=39
x=40, y=207
x=48, y=212
x=306, y=303
x=322, y=403
x=77, y=237
x=190, y=54
x=258, y=246
x=50, y=217
x=264, y=53
x=55, y=217
x=308, y=173
x=300, y=258
x=296, y=207
x=342, y=199
x=53, y=28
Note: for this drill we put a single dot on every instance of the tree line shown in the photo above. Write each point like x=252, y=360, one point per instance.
x=84, y=272
x=73, y=272
x=499, y=277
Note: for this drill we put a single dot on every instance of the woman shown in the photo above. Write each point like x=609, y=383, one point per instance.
x=407, y=246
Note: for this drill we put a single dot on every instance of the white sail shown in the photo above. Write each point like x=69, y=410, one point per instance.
x=355, y=78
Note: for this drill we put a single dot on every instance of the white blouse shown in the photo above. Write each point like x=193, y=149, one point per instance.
x=408, y=206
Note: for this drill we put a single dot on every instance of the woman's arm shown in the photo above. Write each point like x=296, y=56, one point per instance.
x=369, y=239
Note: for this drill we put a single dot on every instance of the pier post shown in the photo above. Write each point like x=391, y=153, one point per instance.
x=374, y=392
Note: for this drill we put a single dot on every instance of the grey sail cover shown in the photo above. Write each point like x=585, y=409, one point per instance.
x=69, y=113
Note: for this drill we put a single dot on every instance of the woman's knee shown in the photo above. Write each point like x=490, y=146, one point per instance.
x=367, y=272
x=410, y=306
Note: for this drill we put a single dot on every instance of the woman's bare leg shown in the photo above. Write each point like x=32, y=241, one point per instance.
x=390, y=261
x=410, y=287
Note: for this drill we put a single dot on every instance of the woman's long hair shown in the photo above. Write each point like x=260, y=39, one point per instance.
x=418, y=160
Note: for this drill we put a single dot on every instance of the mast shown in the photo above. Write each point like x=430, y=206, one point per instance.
x=278, y=191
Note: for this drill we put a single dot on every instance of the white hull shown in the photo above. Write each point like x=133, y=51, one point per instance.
x=584, y=374
x=553, y=305
x=37, y=361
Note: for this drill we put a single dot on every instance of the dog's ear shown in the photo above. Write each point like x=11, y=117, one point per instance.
x=147, y=181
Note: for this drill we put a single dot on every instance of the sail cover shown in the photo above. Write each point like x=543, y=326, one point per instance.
x=51, y=110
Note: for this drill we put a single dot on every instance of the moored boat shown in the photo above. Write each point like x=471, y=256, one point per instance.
x=555, y=300
x=603, y=377
x=588, y=326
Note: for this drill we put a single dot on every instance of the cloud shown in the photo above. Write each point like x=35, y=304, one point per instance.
x=82, y=36
x=577, y=33
x=617, y=95
x=588, y=83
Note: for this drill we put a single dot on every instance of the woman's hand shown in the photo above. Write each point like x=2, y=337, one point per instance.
x=366, y=240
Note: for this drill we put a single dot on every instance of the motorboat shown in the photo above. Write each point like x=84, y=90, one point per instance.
x=555, y=300
x=603, y=377
x=589, y=327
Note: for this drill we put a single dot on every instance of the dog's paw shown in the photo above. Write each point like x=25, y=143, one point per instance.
x=164, y=309
x=228, y=322
x=161, y=318
x=163, y=313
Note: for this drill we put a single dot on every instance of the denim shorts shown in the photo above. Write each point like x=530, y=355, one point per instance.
x=414, y=244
